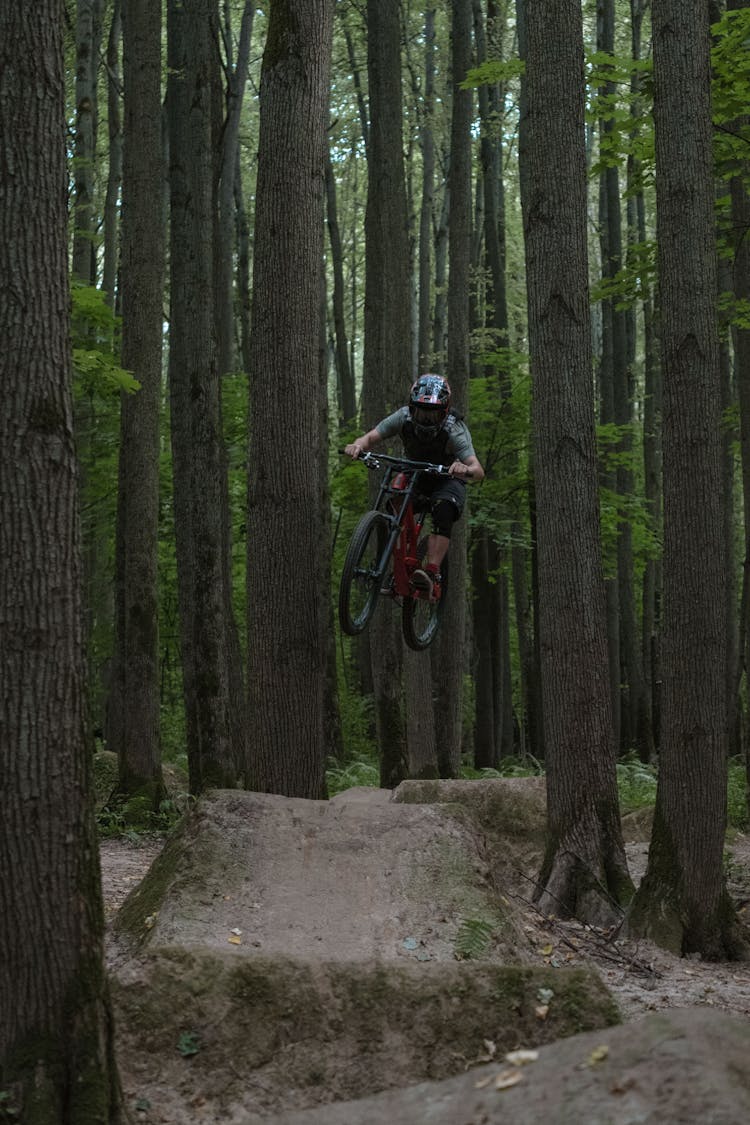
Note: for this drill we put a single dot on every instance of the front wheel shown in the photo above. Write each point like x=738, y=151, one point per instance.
x=421, y=618
x=360, y=585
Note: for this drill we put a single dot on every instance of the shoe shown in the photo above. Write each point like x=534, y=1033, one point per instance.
x=426, y=579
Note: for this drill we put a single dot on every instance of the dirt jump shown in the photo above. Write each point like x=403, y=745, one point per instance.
x=378, y=958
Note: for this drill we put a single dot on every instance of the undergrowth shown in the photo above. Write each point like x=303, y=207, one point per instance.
x=636, y=781
x=123, y=821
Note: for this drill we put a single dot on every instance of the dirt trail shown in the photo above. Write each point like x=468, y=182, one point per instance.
x=224, y=1015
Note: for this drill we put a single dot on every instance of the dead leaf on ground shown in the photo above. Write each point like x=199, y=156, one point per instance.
x=508, y=1078
x=599, y=1054
x=521, y=1058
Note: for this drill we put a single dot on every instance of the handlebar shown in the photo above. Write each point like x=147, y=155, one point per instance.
x=403, y=464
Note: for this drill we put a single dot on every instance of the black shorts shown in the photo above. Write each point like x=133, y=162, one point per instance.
x=434, y=488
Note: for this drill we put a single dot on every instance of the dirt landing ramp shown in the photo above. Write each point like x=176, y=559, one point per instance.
x=283, y=953
x=206, y=1037
x=681, y=1067
x=358, y=877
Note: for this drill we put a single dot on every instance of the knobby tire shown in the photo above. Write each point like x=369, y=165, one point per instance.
x=359, y=590
x=420, y=619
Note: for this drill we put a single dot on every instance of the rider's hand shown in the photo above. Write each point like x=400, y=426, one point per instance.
x=354, y=450
x=461, y=471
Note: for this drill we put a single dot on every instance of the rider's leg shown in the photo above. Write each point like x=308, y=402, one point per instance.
x=437, y=549
x=444, y=514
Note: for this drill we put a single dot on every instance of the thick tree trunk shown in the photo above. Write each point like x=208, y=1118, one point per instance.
x=387, y=354
x=286, y=558
x=527, y=600
x=136, y=661
x=448, y=650
x=197, y=454
x=740, y=198
x=56, y=1041
x=682, y=902
x=584, y=872
x=630, y=671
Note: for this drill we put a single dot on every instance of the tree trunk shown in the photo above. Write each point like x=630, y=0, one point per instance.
x=651, y=594
x=630, y=671
x=114, y=179
x=197, y=455
x=682, y=902
x=136, y=661
x=527, y=602
x=424, y=331
x=449, y=648
x=347, y=396
x=56, y=1039
x=226, y=148
x=88, y=38
x=286, y=559
x=387, y=350
x=584, y=872
x=740, y=198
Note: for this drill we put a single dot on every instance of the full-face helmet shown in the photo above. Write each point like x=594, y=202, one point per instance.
x=429, y=402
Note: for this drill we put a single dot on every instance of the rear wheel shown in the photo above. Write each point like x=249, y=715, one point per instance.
x=420, y=617
x=360, y=588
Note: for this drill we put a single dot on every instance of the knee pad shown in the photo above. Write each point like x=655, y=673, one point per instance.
x=444, y=515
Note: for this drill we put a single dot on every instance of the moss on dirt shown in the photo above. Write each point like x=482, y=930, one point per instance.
x=272, y=1033
x=506, y=807
x=192, y=855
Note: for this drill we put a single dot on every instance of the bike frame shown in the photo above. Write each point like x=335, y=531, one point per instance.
x=396, y=501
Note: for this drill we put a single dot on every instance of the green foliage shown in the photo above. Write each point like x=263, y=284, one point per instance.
x=500, y=406
x=619, y=449
x=619, y=96
x=95, y=358
x=730, y=61
x=634, y=282
x=9, y=1111
x=134, y=818
x=508, y=767
x=363, y=770
x=493, y=72
x=737, y=796
x=473, y=939
x=636, y=784
x=188, y=1044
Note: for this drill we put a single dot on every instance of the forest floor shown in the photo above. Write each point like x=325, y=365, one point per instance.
x=641, y=978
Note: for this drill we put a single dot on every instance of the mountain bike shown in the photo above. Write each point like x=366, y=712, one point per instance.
x=387, y=546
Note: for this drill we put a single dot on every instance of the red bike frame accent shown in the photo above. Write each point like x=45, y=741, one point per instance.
x=405, y=560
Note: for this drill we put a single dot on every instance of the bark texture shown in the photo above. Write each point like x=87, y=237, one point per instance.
x=682, y=902
x=448, y=650
x=387, y=347
x=56, y=1060
x=195, y=403
x=136, y=661
x=286, y=558
x=584, y=872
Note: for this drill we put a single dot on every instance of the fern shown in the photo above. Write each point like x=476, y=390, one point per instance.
x=473, y=939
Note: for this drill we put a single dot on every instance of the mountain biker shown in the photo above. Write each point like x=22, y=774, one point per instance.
x=431, y=431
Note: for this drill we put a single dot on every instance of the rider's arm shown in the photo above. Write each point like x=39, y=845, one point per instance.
x=363, y=444
x=467, y=469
